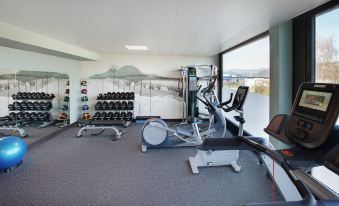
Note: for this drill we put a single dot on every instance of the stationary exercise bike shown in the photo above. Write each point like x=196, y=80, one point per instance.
x=208, y=157
x=156, y=133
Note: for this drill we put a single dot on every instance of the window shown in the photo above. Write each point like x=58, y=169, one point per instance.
x=248, y=65
x=327, y=71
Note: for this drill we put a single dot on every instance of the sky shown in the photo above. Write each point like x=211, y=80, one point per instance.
x=327, y=25
x=256, y=54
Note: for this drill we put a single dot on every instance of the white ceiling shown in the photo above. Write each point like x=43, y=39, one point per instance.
x=171, y=27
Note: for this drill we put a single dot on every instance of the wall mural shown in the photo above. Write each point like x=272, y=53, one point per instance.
x=155, y=94
x=12, y=82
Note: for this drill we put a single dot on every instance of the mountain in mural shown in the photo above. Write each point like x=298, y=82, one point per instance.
x=27, y=76
x=128, y=72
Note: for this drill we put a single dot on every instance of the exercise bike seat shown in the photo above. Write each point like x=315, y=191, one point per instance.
x=185, y=132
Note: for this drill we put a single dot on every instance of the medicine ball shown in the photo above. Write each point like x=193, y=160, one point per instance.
x=83, y=83
x=85, y=107
x=63, y=116
x=84, y=99
x=85, y=116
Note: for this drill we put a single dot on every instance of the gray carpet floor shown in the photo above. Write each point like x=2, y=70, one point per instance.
x=93, y=170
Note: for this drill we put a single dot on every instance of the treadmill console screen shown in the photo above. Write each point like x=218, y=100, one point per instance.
x=315, y=100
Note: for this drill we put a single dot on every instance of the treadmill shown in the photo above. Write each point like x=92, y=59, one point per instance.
x=313, y=138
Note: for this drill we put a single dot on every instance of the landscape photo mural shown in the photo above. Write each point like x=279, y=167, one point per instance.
x=12, y=82
x=155, y=94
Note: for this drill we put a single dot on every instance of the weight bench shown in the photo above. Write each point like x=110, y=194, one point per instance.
x=7, y=124
x=102, y=125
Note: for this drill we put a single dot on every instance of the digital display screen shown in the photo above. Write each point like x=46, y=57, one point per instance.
x=315, y=100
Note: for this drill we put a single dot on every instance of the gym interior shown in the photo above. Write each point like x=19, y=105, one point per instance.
x=169, y=102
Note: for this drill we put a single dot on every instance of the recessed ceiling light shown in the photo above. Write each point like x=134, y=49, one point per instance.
x=136, y=47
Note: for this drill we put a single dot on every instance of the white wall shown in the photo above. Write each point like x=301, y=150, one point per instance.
x=147, y=64
x=13, y=59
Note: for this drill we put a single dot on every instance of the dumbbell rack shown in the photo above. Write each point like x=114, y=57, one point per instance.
x=45, y=121
x=84, y=105
x=64, y=122
x=118, y=110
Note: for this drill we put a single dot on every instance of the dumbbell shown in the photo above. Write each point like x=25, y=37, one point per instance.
x=47, y=116
x=49, y=105
x=130, y=105
x=29, y=95
x=129, y=116
x=20, y=115
x=114, y=95
x=131, y=95
x=47, y=97
x=109, y=116
x=14, y=97
x=19, y=95
x=104, y=105
x=96, y=116
x=116, y=116
x=43, y=105
x=34, y=116
x=24, y=95
x=109, y=95
x=27, y=116
x=123, y=95
x=104, y=96
x=117, y=105
x=100, y=97
x=123, y=115
x=12, y=116
x=40, y=116
x=123, y=105
x=103, y=116
x=30, y=106
x=11, y=107
x=98, y=106
x=37, y=106
x=52, y=96
x=111, y=105
x=24, y=105
x=33, y=95
x=118, y=94
x=17, y=105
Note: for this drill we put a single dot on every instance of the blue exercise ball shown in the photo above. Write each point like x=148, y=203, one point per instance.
x=12, y=152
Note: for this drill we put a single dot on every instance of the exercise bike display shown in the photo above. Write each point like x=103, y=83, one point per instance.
x=208, y=157
x=312, y=136
x=156, y=133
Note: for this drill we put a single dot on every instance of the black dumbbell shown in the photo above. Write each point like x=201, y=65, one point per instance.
x=27, y=116
x=17, y=105
x=24, y=95
x=123, y=115
x=118, y=95
x=104, y=105
x=100, y=97
x=40, y=116
x=14, y=96
x=12, y=116
x=24, y=105
x=47, y=97
x=11, y=107
x=20, y=116
x=117, y=105
x=122, y=95
x=96, y=116
x=109, y=116
x=123, y=105
x=52, y=96
x=130, y=105
x=103, y=116
x=110, y=105
x=49, y=105
x=131, y=95
x=109, y=95
x=34, y=116
x=30, y=106
x=29, y=95
x=129, y=116
x=33, y=94
x=114, y=95
x=116, y=116
x=46, y=116
x=19, y=95
x=98, y=106
x=37, y=106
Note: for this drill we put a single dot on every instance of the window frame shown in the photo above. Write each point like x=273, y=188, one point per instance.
x=231, y=126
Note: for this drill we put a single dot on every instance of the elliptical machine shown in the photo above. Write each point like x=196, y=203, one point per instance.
x=207, y=157
x=156, y=133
